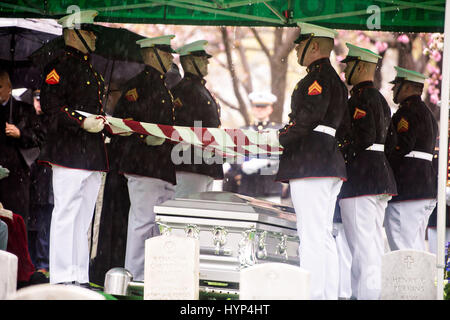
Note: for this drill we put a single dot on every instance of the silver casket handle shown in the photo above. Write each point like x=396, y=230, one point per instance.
x=246, y=253
x=192, y=231
x=219, y=238
x=262, y=251
x=164, y=229
x=282, y=247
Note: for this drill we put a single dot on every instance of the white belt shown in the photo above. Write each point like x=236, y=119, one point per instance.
x=420, y=155
x=328, y=130
x=376, y=147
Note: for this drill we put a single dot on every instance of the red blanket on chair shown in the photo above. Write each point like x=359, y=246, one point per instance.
x=18, y=245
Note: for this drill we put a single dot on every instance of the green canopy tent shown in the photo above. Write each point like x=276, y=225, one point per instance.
x=379, y=15
x=395, y=15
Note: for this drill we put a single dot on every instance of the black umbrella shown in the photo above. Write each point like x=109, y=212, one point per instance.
x=113, y=46
x=20, y=38
x=117, y=56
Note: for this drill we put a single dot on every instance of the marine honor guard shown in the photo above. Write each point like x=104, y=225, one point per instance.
x=195, y=106
x=371, y=184
x=311, y=161
x=74, y=148
x=146, y=160
x=416, y=128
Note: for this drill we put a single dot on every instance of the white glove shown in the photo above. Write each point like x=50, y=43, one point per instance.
x=447, y=195
x=154, y=141
x=3, y=172
x=226, y=167
x=270, y=137
x=93, y=123
x=253, y=165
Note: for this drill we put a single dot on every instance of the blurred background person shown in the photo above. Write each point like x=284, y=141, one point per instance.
x=20, y=137
x=41, y=202
x=256, y=177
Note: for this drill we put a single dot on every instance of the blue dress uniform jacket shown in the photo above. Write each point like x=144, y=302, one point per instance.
x=369, y=172
x=416, y=130
x=72, y=84
x=320, y=98
x=145, y=99
x=193, y=102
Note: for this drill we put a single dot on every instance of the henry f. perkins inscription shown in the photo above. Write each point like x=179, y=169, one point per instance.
x=408, y=275
x=171, y=268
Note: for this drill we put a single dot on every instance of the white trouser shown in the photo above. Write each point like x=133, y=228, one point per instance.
x=75, y=194
x=362, y=218
x=314, y=200
x=432, y=239
x=189, y=183
x=345, y=261
x=406, y=222
x=144, y=193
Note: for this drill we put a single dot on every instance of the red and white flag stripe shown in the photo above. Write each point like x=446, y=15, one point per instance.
x=225, y=142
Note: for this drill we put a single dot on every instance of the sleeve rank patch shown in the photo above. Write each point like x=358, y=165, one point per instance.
x=359, y=114
x=131, y=95
x=314, y=89
x=177, y=103
x=52, y=77
x=403, y=125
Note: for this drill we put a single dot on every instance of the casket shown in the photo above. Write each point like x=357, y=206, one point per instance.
x=234, y=232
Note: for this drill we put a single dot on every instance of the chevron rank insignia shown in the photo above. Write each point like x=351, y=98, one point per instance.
x=359, y=114
x=131, y=95
x=177, y=102
x=52, y=77
x=402, y=125
x=314, y=89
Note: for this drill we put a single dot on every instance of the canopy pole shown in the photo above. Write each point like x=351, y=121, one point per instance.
x=443, y=153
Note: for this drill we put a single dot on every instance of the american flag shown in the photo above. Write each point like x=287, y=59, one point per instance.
x=229, y=143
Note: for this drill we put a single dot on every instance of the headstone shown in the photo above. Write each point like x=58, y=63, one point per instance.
x=8, y=274
x=408, y=275
x=56, y=292
x=274, y=281
x=171, y=268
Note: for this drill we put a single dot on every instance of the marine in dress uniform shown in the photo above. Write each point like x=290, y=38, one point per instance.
x=74, y=147
x=256, y=177
x=371, y=184
x=407, y=213
x=146, y=160
x=311, y=160
x=194, y=106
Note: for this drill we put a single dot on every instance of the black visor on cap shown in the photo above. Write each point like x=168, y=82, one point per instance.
x=396, y=80
x=201, y=53
x=261, y=105
x=90, y=27
x=349, y=58
x=165, y=47
x=303, y=37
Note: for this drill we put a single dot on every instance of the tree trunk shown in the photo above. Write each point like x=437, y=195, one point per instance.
x=242, y=105
x=278, y=71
